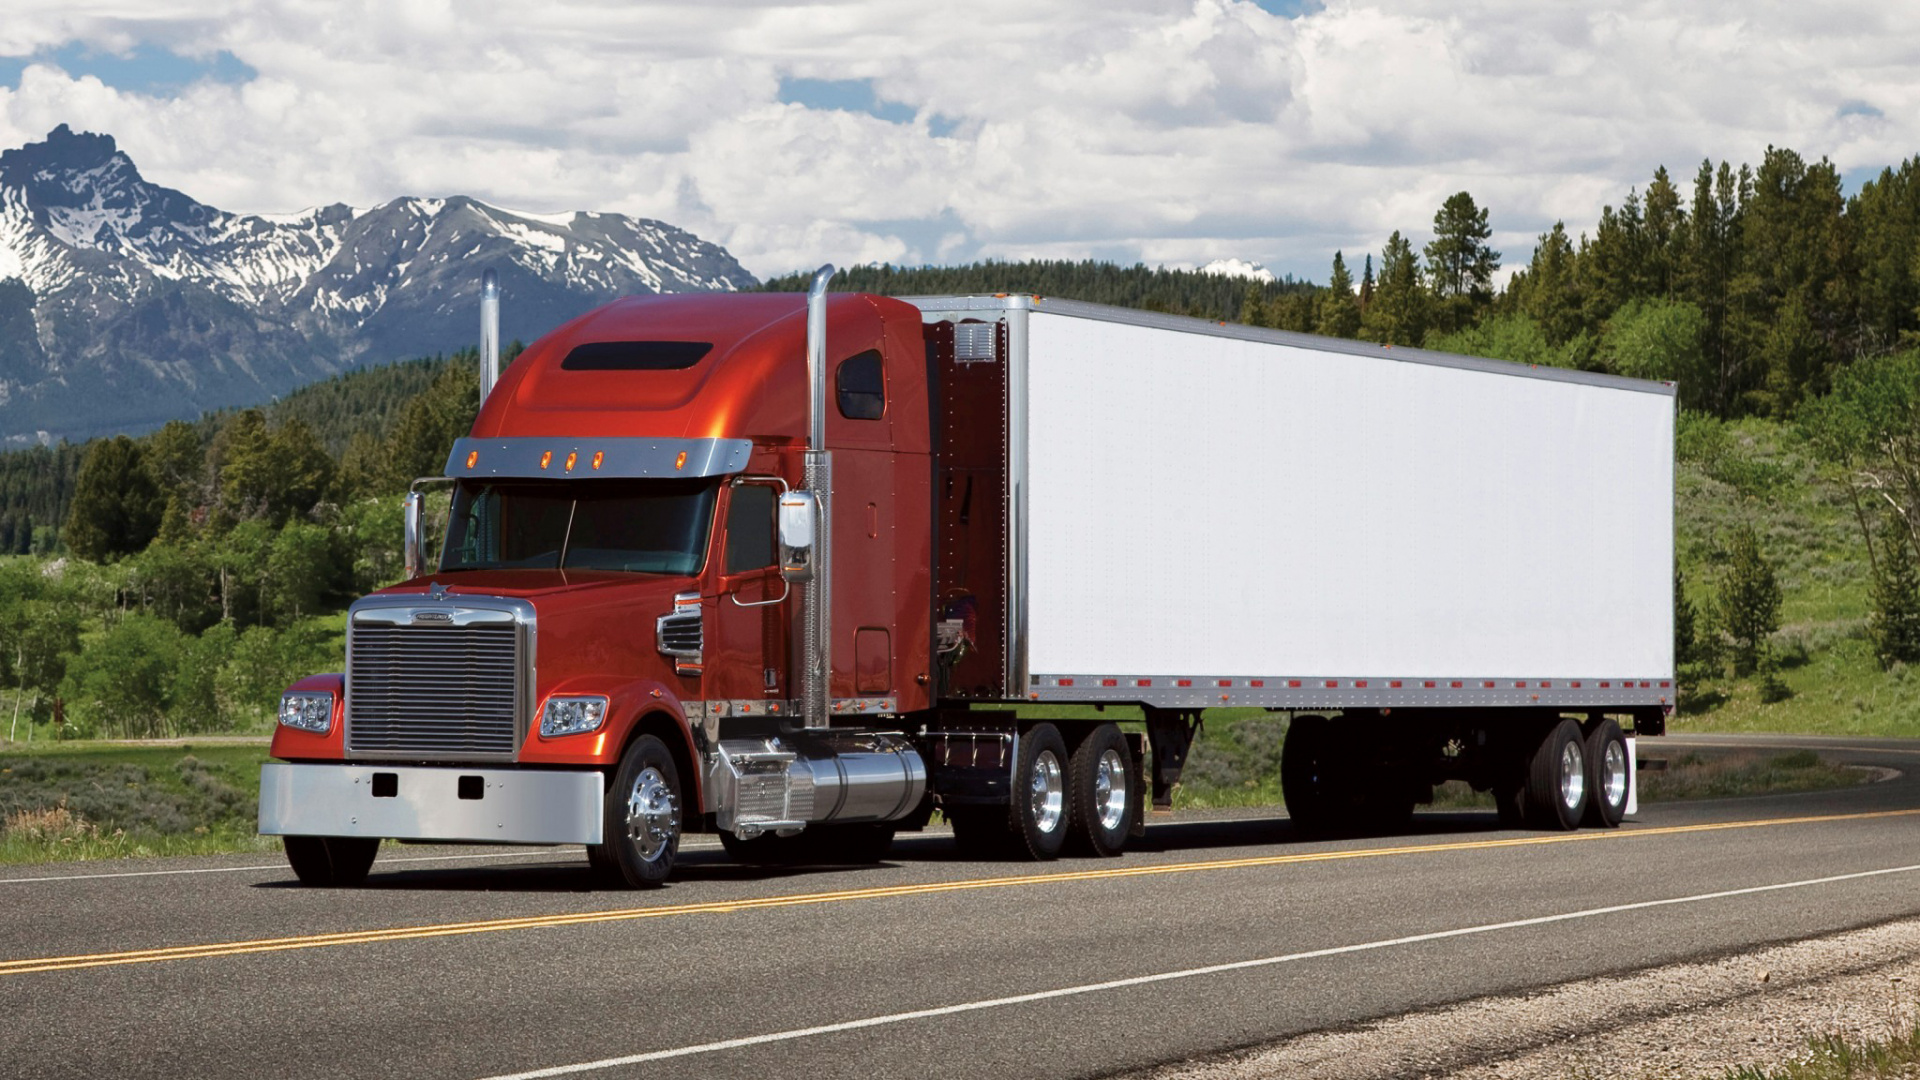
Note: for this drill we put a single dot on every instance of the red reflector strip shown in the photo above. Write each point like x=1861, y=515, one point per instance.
x=1066, y=682
x=1184, y=682
x=1395, y=684
x=1605, y=684
x=1664, y=684
x=1360, y=684
x=1545, y=685
x=1430, y=684
x=1488, y=685
x=1109, y=682
x=1143, y=682
x=1456, y=685
x=1262, y=682
x=1516, y=686
x=1226, y=682
x=1333, y=684
x=1576, y=684
x=1645, y=686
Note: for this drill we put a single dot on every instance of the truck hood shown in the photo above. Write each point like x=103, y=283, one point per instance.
x=536, y=585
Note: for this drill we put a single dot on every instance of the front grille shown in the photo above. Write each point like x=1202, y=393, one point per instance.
x=438, y=691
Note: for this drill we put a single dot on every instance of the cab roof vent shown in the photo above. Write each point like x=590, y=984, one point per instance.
x=635, y=355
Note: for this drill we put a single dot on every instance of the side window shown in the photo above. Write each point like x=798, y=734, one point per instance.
x=863, y=392
x=750, y=528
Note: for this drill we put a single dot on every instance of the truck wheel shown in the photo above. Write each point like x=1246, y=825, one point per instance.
x=1607, y=775
x=642, y=817
x=331, y=861
x=1039, y=817
x=1100, y=810
x=1310, y=780
x=1556, y=790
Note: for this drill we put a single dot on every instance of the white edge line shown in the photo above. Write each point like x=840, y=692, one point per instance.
x=1169, y=976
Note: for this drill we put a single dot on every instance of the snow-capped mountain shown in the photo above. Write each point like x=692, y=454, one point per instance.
x=124, y=304
x=1239, y=268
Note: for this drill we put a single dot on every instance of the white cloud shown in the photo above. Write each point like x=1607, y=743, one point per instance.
x=1129, y=129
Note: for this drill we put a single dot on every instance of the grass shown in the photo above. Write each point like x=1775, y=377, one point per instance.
x=98, y=800
x=1837, y=1057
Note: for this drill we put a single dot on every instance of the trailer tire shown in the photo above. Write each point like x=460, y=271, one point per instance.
x=641, y=818
x=328, y=862
x=1101, y=794
x=1038, y=818
x=1556, y=789
x=1608, y=777
x=1311, y=774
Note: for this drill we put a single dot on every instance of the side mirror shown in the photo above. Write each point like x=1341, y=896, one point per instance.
x=799, y=522
x=413, y=542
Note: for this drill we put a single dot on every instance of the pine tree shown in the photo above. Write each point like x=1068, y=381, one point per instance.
x=1749, y=600
x=1460, y=263
x=1894, y=624
x=1397, y=313
x=1339, y=313
x=116, y=505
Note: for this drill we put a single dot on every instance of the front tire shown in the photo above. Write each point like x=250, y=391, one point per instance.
x=641, y=823
x=1099, y=782
x=327, y=862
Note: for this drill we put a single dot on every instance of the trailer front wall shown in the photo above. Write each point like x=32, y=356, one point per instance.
x=1200, y=504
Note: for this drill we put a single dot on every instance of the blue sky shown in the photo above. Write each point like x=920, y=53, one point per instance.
x=1165, y=131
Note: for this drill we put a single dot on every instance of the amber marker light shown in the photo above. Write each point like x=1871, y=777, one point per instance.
x=571, y=458
x=598, y=457
x=680, y=462
x=473, y=458
x=546, y=459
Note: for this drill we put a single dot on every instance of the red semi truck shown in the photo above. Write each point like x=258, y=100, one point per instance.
x=802, y=570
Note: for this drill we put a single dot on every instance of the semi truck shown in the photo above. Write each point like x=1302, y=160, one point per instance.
x=803, y=570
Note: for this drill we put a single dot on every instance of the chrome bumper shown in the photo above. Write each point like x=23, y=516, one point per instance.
x=416, y=803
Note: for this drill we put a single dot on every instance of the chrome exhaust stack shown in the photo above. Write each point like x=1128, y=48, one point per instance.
x=489, y=333
x=816, y=603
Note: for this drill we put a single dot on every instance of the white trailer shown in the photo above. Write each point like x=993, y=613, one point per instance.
x=1442, y=566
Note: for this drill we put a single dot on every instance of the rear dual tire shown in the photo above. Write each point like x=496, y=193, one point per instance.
x=1087, y=799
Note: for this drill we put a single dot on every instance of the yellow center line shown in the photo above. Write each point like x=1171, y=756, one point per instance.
x=720, y=907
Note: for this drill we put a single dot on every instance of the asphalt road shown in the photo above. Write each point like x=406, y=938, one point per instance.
x=1214, y=933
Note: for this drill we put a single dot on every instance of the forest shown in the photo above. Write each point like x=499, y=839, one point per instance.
x=176, y=582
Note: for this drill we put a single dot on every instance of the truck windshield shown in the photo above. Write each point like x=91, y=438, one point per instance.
x=640, y=526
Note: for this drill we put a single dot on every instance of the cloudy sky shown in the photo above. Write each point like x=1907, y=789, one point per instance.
x=1170, y=132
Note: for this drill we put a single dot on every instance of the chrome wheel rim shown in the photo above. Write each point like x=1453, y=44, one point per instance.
x=1573, y=776
x=653, y=815
x=1047, y=795
x=1613, y=773
x=1110, y=790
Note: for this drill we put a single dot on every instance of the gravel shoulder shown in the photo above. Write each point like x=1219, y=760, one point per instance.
x=1682, y=1021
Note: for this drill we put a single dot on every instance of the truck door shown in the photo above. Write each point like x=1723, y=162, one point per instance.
x=748, y=659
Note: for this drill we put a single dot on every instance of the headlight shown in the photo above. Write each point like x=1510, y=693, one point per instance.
x=307, y=712
x=572, y=715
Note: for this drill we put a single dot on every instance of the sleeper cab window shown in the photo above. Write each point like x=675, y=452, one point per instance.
x=862, y=389
x=750, y=528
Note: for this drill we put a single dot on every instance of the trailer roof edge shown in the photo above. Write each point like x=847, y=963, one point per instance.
x=1081, y=309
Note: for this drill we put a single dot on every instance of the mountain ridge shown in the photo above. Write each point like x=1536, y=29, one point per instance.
x=124, y=303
